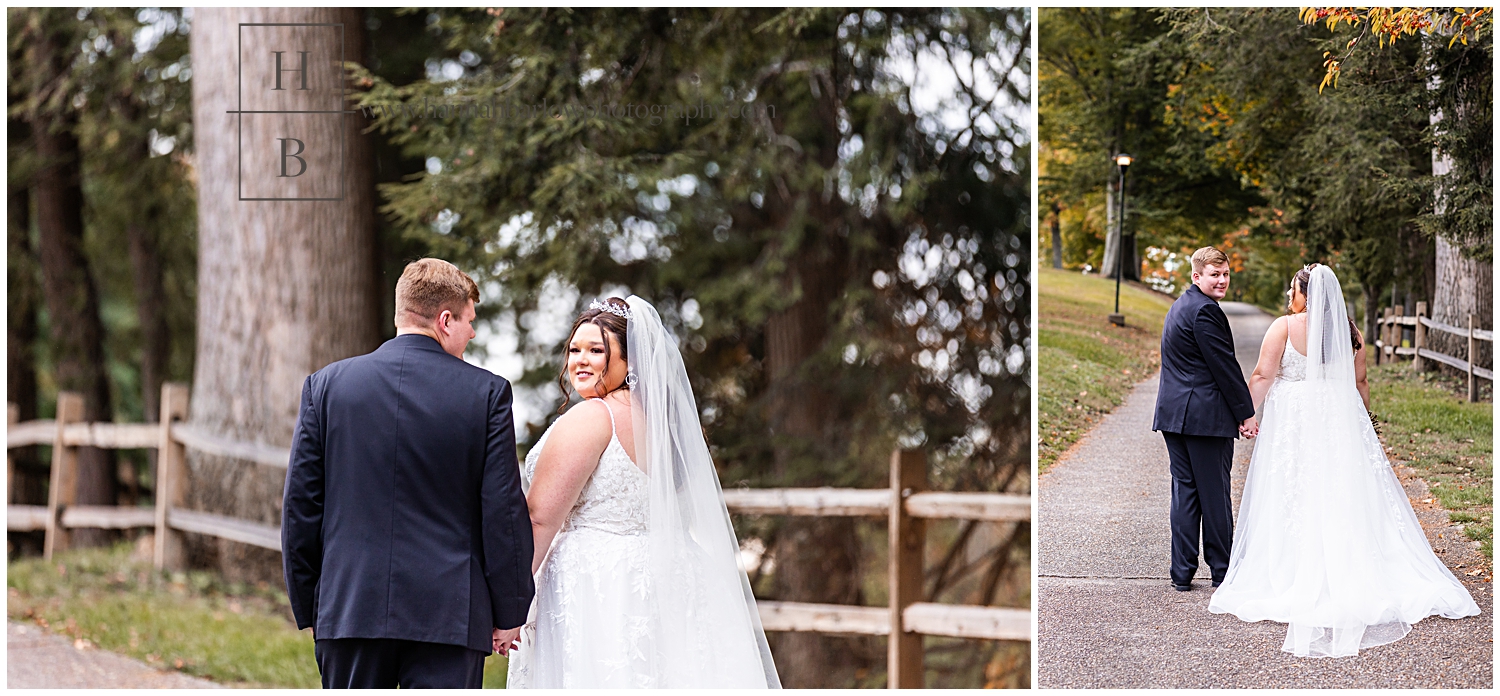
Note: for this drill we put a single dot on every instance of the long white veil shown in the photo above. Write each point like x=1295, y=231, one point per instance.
x=709, y=632
x=1330, y=351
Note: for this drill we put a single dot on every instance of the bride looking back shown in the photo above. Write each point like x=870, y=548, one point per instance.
x=637, y=580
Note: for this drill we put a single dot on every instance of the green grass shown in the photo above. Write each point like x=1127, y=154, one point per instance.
x=1087, y=365
x=1429, y=425
x=233, y=634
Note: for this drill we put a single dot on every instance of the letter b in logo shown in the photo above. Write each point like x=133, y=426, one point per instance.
x=286, y=155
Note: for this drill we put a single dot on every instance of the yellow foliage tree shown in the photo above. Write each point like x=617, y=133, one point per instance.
x=1392, y=23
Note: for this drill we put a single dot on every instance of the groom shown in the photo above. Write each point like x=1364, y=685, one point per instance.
x=1202, y=405
x=405, y=536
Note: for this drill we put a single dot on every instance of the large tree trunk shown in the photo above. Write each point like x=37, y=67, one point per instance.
x=1132, y=267
x=285, y=287
x=817, y=558
x=1107, y=265
x=1464, y=286
x=1057, y=250
x=72, y=299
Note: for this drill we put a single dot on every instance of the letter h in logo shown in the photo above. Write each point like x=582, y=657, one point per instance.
x=291, y=126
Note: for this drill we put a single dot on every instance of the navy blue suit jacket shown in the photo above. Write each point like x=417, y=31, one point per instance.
x=1202, y=390
x=403, y=515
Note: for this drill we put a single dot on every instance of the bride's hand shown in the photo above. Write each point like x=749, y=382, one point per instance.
x=503, y=640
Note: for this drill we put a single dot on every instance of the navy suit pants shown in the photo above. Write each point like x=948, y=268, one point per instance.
x=1200, y=495
x=385, y=663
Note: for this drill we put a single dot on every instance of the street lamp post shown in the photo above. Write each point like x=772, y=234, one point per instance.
x=1123, y=161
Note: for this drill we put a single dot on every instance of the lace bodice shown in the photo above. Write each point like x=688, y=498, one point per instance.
x=614, y=500
x=1293, y=364
x=592, y=623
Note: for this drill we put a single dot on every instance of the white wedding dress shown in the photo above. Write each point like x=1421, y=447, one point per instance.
x=1326, y=540
x=641, y=588
x=592, y=624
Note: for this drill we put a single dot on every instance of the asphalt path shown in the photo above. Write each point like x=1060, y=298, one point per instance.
x=1107, y=616
x=37, y=659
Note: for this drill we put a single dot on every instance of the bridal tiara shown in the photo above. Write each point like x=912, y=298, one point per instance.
x=621, y=312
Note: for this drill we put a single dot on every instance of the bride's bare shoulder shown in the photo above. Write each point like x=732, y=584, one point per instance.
x=1278, y=327
x=587, y=419
x=586, y=411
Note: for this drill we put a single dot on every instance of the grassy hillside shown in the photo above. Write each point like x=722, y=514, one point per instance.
x=1086, y=365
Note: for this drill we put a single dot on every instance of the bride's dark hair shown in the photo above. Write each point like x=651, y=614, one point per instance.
x=1305, y=275
x=609, y=324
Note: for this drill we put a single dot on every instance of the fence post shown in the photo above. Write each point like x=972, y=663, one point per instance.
x=1473, y=386
x=63, y=490
x=12, y=417
x=171, y=476
x=908, y=535
x=1421, y=337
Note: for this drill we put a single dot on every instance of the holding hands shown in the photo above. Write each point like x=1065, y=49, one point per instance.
x=1250, y=428
x=504, y=639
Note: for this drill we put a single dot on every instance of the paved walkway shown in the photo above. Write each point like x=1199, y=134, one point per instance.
x=36, y=659
x=1107, y=616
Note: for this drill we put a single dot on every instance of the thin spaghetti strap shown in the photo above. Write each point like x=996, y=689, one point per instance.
x=611, y=415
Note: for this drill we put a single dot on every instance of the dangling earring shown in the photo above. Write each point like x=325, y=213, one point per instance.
x=630, y=380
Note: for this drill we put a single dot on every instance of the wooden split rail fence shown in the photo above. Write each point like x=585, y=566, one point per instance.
x=1392, y=343
x=907, y=504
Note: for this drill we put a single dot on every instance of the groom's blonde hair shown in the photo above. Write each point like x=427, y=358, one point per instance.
x=429, y=286
x=1208, y=256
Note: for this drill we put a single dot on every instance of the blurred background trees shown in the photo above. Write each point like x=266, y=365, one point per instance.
x=1106, y=76
x=101, y=254
x=1385, y=172
x=842, y=249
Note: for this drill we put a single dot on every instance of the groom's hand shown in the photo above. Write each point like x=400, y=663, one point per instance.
x=1250, y=428
x=504, y=639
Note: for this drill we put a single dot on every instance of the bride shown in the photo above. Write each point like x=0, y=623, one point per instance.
x=1327, y=542
x=640, y=587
